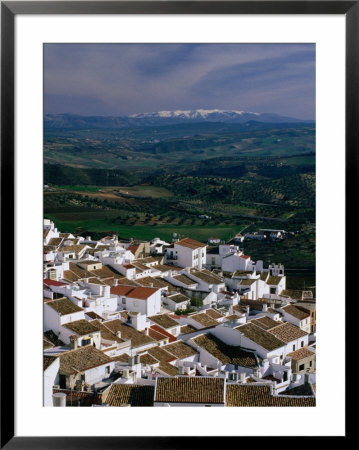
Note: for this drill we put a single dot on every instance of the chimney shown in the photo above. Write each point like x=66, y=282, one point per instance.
x=264, y=309
x=88, y=238
x=115, y=282
x=146, y=331
x=59, y=399
x=118, y=334
x=131, y=361
x=181, y=370
x=73, y=341
x=150, y=284
x=242, y=376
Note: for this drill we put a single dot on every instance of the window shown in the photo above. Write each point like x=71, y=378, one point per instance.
x=272, y=290
x=293, y=348
x=310, y=363
x=53, y=274
x=107, y=370
x=301, y=367
x=302, y=344
x=124, y=300
x=85, y=341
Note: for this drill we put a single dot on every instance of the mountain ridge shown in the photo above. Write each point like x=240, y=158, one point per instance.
x=162, y=118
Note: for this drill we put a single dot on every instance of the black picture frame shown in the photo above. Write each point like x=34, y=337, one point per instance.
x=9, y=9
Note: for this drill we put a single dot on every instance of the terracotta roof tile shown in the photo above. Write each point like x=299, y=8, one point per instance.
x=137, y=338
x=125, y=394
x=287, y=332
x=64, y=306
x=260, y=395
x=164, y=321
x=261, y=337
x=301, y=353
x=226, y=354
x=82, y=327
x=190, y=243
x=180, y=350
x=190, y=390
x=265, y=322
x=82, y=359
x=296, y=311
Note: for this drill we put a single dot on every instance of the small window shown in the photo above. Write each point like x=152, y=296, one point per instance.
x=272, y=290
x=301, y=367
x=124, y=301
x=293, y=348
x=302, y=344
x=107, y=370
x=310, y=363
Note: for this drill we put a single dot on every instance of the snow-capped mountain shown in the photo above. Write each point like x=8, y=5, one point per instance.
x=164, y=118
x=211, y=115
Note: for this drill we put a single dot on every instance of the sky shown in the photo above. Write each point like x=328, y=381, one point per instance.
x=125, y=79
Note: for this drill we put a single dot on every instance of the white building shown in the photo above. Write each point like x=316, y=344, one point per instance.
x=61, y=311
x=84, y=366
x=188, y=253
x=51, y=369
x=145, y=300
x=297, y=316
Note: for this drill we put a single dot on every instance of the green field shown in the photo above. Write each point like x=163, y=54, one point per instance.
x=71, y=187
x=147, y=232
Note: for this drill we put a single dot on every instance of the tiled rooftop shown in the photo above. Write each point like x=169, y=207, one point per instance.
x=287, y=332
x=296, y=311
x=190, y=390
x=47, y=361
x=137, y=338
x=260, y=395
x=180, y=350
x=178, y=298
x=184, y=279
x=301, y=353
x=207, y=276
x=265, y=322
x=204, y=319
x=164, y=321
x=261, y=337
x=64, y=306
x=190, y=243
x=129, y=394
x=82, y=327
x=82, y=359
x=227, y=354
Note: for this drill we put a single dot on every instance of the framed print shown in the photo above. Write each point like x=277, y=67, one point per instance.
x=175, y=182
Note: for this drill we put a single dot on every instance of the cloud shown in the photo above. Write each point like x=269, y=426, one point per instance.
x=129, y=78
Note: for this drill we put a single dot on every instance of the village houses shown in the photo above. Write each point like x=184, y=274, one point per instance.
x=136, y=323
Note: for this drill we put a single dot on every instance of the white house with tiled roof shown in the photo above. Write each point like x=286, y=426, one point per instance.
x=207, y=281
x=234, y=259
x=59, y=312
x=50, y=231
x=85, y=365
x=145, y=300
x=188, y=253
x=298, y=316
